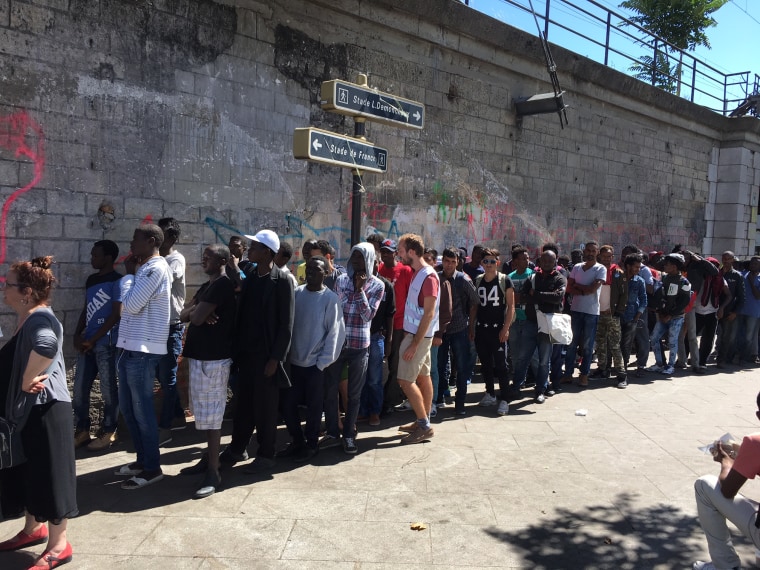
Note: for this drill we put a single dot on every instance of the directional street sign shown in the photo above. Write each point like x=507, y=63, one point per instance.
x=360, y=101
x=326, y=147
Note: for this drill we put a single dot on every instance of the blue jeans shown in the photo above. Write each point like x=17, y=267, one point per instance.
x=357, y=359
x=545, y=351
x=673, y=329
x=523, y=338
x=457, y=343
x=137, y=372
x=372, y=393
x=167, y=376
x=557, y=360
x=746, y=340
x=100, y=361
x=584, y=333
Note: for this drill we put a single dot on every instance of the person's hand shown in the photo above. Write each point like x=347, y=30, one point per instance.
x=233, y=262
x=270, y=368
x=131, y=262
x=721, y=453
x=37, y=385
x=86, y=345
x=730, y=317
x=472, y=335
x=504, y=334
x=720, y=313
x=360, y=279
x=437, y=341
x=410, y=352
x=212, y=319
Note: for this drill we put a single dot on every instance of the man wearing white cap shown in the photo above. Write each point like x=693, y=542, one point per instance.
x=265, y=325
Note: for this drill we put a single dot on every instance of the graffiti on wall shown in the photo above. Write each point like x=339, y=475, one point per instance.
x=21, y=136
x=461, y=216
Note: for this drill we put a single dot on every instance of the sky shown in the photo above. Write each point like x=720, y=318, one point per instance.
x=733, y=47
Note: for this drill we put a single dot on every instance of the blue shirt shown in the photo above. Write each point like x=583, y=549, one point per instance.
x=101, y=292
x=751, y=305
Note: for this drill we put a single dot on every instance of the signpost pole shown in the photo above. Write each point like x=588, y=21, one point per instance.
x=357, y=188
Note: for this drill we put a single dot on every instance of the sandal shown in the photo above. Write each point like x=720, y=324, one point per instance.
x=144, y=479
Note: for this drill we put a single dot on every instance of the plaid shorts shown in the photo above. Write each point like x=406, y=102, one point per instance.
x=208, y=391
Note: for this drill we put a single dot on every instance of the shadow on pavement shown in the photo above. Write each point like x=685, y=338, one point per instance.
x=616, y=536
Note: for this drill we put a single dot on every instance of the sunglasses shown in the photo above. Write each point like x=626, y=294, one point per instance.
x=488, y=261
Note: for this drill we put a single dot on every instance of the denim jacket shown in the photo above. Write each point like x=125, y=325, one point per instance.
x=637, y=298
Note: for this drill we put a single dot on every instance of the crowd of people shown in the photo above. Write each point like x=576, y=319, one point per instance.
x=398, y=328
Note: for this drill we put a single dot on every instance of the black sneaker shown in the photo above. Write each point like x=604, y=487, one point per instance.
x=210, y=485
x=260, y=465
x=349, y=445
x=291, y=450
x=305, y=454
x=198, y=468
x=599, y=373
x=228, y=458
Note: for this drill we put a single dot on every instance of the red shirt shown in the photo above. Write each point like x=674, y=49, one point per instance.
x=401, y=277
x=747, y=461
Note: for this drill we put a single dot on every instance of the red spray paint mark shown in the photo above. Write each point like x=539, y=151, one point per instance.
x=23, y=136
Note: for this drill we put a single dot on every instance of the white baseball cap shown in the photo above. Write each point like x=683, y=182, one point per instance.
x=268, y=238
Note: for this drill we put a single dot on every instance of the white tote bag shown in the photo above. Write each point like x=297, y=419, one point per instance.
x=556, y=325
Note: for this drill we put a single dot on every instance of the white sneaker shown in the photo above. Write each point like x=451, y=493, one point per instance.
x=503, y=408
x=699, y=565
x=487, y=400
x=433, y=410
x=403, y=406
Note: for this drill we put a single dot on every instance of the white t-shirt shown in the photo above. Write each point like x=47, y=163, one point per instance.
x=176, y=263
x=588, y=304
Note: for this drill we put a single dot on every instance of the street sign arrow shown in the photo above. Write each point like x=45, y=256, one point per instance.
x=359, y=101
x=340, y=150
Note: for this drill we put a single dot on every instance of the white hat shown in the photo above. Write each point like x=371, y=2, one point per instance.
x=268, y=238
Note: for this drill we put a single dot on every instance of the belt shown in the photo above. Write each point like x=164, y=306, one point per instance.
x=176, y=326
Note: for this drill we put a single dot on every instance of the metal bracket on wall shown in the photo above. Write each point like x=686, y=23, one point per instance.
x=544, y=102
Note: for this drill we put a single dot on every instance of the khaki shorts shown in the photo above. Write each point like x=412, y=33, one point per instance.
x=417, y=366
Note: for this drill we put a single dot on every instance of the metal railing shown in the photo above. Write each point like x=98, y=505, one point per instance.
x=617, y=42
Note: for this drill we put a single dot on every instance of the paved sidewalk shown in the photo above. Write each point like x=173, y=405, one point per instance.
x=540, y=488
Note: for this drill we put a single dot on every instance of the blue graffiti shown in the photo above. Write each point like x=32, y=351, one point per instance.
x=299, y=228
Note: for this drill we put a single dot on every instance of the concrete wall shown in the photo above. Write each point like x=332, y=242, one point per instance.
x=116, y=112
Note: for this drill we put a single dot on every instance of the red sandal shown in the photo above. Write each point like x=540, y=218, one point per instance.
x=48, y=561
x=22, y=540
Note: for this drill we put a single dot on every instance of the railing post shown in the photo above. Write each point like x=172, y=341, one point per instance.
x=546, y=22
x=607, y=38
x=654, y=62
x=725, y=94
x=693, y=79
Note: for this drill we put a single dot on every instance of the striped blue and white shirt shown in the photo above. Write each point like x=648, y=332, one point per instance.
x=146, y=308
